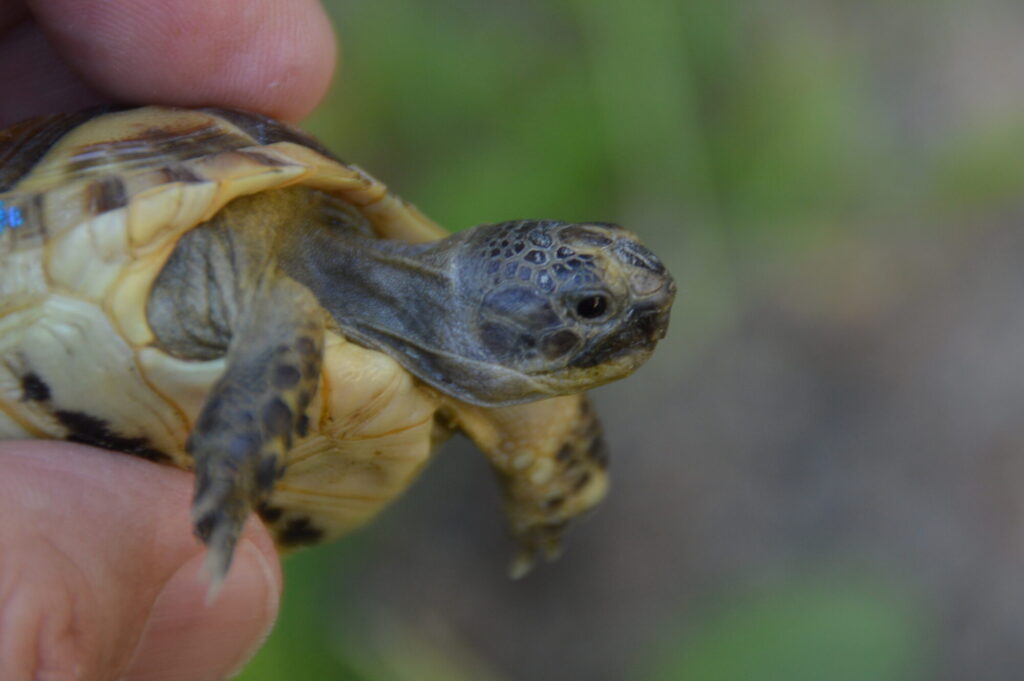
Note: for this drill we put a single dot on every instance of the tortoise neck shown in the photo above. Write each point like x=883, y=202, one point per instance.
x=378, y=289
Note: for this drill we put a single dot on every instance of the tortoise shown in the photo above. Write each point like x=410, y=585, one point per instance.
x=215, y=290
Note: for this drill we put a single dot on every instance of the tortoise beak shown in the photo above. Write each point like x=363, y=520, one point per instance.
x=654, y=290
x=652, y=315
x=651, y=323
x=648, y=320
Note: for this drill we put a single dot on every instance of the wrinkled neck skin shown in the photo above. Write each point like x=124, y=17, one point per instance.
x=409, y=301
x=374, y=287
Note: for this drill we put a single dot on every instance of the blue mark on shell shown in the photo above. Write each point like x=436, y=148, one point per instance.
x=10, y=216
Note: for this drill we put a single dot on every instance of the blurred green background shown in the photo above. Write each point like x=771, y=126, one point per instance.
x=818, y=477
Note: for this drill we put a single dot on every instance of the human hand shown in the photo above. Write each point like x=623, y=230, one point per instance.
x=274, y=57
x=100, y=574
x=97, y=547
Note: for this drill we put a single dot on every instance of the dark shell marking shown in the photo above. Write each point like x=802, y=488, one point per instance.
x=90, y=430
x=268, y=131
x=181, y=173
x=296, y=532
x=290, y=531
x=22, y=145
x=270, y=514
x=263, y=159
x=108, y=166
x=168, y=145
x=34, y=389
x=106, y=194
x=85, y=428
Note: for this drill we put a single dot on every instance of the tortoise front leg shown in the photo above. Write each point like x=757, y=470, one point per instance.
x=254, y=412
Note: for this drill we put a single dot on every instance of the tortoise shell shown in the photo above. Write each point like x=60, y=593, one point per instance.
x=92, y=207
x=92, y=211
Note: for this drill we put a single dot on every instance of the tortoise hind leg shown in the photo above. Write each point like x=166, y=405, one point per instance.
x=254, y=412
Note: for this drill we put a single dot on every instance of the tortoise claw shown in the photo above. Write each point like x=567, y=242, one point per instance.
x=218, y=516
x=542, y=541
x=521, y=565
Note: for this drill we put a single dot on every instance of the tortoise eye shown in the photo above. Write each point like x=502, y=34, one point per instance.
x=592, y=307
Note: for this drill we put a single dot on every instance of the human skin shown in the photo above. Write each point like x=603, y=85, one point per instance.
x=100, y=575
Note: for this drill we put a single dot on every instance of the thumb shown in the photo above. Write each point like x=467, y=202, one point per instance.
x=100, y=576
x=270, y=56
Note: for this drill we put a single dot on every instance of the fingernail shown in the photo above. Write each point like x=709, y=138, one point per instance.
x=187, y=640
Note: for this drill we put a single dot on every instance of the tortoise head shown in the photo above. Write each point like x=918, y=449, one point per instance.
x=560, y=307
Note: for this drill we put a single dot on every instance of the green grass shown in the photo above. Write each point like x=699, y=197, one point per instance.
x=833, y=630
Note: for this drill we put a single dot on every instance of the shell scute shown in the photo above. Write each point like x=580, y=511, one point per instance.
x=88, y=260
x=162, y=213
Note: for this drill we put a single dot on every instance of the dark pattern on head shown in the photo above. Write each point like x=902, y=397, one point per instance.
x=532, y=251
x=558, y=296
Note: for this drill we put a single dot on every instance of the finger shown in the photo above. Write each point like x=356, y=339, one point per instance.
x=271, y=56
x=34, y=79
x=185, y=639
x=93, y=546
x=12, y=12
